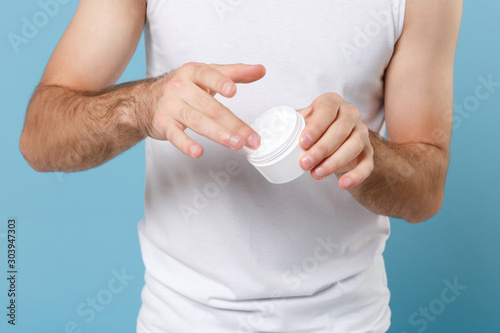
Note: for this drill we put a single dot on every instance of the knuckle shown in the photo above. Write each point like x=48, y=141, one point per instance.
x=323, y=102
x=215, y=111
x=187, y=117
x=332, y=165
x=318, y=102
x=331, y=110
x=240, y=127
x=201, y=102
x=359, y=146
x=355, y=113
x=343, y=131
x=203, y=72
x=208, y=106
x=321, y=150
x=190, y=67
x=327, y=107
x=314, y=129
x=317, y=154
x=174, y=83
x=334, y=97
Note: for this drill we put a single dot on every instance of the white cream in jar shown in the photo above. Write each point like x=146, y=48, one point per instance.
x=277, y=158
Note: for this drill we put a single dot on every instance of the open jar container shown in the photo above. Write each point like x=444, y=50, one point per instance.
x=277, y=158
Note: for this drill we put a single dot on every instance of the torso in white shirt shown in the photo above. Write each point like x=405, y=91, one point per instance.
x=226, y=251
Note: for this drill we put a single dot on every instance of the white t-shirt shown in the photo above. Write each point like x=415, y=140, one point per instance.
x=227, y=251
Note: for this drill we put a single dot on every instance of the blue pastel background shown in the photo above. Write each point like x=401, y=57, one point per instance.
x=76, y=231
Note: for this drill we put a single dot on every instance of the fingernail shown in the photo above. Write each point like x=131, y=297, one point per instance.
x=193, y=150
x=227, y=89
x=253, y=141
x=319, y=172
x=307, y=162
x=347, y=182
x=306, y=141
x=235, y=141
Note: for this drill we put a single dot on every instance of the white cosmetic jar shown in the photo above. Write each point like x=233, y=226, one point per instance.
x=277, y=158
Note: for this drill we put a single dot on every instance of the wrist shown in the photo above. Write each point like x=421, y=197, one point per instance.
x=137, y=108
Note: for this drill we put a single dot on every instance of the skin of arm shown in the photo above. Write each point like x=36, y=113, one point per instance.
x=77, y=119
x=403, y=176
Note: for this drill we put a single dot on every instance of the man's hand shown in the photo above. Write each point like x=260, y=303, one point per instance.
x=186, y=101
x=403, y=176
x=71, y=130
x=336, y=141
x=78, y=119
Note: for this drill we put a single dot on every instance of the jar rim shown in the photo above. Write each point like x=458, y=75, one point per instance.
x=288, y=142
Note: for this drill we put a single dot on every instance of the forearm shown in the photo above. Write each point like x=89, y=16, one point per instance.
x=69, y=130
x=407, y=181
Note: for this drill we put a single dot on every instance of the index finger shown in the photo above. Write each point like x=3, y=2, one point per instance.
x=209, y=78
x=241, y=73
x=208, y=105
